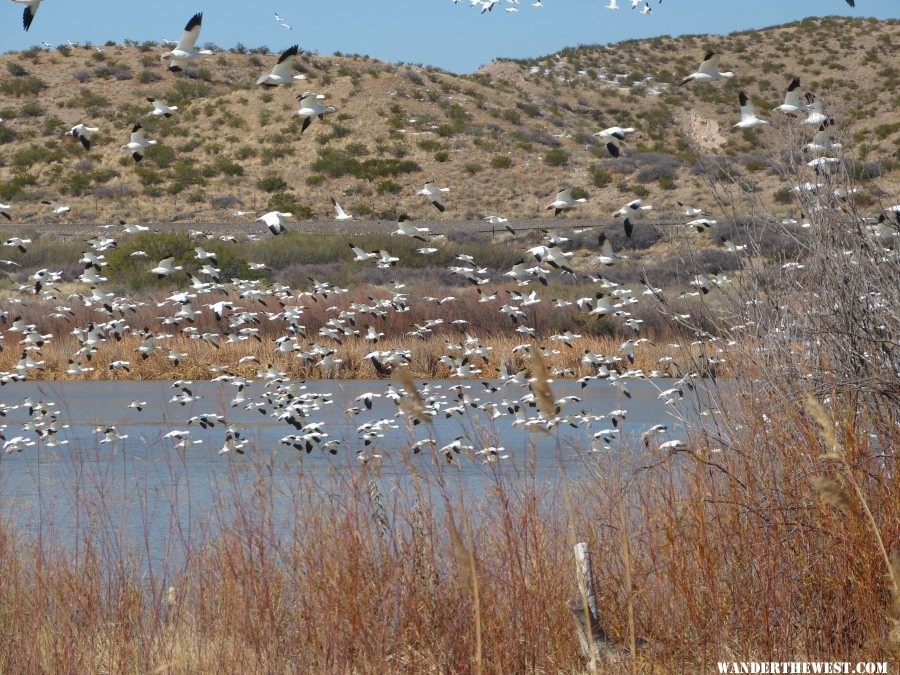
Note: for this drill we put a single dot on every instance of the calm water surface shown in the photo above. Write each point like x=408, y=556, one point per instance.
x=143, y=491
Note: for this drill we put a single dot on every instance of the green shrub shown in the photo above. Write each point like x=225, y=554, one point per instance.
x=556, y=157
x=148, y=176
x=88, y=100
x=31, y=109
x=228, y=167
x=125, y=272
x=336, y=163
x=148, y=77
x=13, y=187
x=76, y=184
x=16, y=69
x=600, y=178
x=783, y=196
x=287, y=202
x=161, y=155
x=388, y=187
x=272, y=183
x=441, y=156
x=501, y=162
x=7, y=135
x=430, y=145
x=22, y=86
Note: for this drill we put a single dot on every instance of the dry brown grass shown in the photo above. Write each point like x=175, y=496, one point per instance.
x=421, y=577
x=425, y=362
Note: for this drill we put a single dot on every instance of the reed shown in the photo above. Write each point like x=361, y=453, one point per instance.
x=425, y=361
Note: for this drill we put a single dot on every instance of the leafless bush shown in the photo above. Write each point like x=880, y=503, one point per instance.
x=114, y=190
x=817, y=307
x=225, y=202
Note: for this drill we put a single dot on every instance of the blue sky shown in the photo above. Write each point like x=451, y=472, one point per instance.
x=434, y=32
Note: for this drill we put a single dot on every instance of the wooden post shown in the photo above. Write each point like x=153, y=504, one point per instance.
x=594, y=643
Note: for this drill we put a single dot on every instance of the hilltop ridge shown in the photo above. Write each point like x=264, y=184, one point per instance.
x=504, y=139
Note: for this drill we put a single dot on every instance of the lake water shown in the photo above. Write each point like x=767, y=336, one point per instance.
x=141, y=489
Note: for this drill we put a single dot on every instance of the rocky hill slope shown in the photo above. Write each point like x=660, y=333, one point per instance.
x=503, y=139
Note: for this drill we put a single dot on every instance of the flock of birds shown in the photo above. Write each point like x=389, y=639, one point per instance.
x=485, y=6
x=239, y=306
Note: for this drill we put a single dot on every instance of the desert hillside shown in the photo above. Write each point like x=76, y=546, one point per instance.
x=503, y=139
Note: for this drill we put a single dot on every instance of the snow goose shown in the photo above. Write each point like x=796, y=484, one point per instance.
x=362, y=256
x=82, y=133
x=185, y=51
x=749, y=120
x=708, y=71
x=433, y=193
x=4, y=211
x=613, y=138
x=281, y=22
x=632, y=211
x=18, y=243
x=310, y=107
x=272, y=219
x=814, y=106
x=138, y=143
x=406, y=228
x=564, y=200
x=821, y=142
x=613, y=4
x=165, y=268
x=57, y=208
x=690, y=211
x=792, y=103
x=161, y=108
x=31, y=7
x=701, y=225
x=340, y=213
x=281, y=73
x=607, y=256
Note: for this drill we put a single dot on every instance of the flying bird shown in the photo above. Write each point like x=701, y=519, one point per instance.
x=613, y=138
x=57, y=208
x=749, y=120
x=564, y=200
x=82, y=133
x=165, y=268
x=186, y=50
x=792, y=103
x=281, y=73
x=138, y=143
x=708, y=71
x=272, y=219
x=31, y=7
x=161, y=108
x=310, y=108
x=340, y=213
x=631, y=211
x=433, y=193
x=281, y=22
